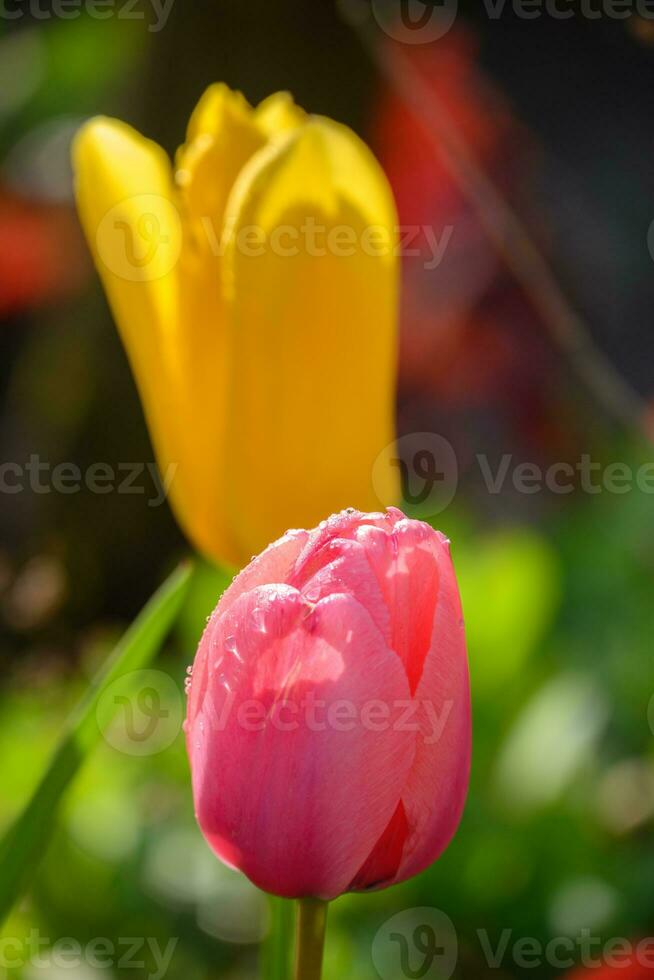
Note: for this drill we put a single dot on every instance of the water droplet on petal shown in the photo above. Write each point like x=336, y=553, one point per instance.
x=232, y=648
x=312, y=592
x=259, y=619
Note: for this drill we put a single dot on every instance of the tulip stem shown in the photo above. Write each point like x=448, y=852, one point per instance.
x=311, y=923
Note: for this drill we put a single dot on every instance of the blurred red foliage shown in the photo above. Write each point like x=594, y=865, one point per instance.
x=42, y=257
x=637, y=968
x=467, y=332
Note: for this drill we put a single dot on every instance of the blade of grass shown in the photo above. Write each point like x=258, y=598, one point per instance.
x=24, y=843
x=277, y=948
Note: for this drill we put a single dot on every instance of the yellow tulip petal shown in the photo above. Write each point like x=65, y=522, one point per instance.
x=208, y=116
x=222, y=136
x=279, y=114
x=313, y=311
x=125, y=201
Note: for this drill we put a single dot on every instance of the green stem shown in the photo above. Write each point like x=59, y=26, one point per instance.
x=277, y=947
x=311, y=923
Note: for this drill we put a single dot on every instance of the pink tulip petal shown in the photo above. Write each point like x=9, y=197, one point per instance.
x=435, y=792
x=344, y=568
x=405, y=563
x=382, y=863
x=342, y=525
x=298, y=810
x=272, y=565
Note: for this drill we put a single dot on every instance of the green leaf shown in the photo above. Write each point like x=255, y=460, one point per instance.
x=25, y=841
x=510, y=587
x=208, y=584
x=277, y=948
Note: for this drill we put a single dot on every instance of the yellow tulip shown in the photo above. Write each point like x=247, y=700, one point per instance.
x=254, y=285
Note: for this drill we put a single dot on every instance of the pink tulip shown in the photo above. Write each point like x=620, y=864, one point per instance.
x=329, y=711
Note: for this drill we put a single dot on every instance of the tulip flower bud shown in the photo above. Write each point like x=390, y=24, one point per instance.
x=328, y=724
x=249, y=282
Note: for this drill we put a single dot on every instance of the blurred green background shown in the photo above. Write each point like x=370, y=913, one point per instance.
x=556, y=588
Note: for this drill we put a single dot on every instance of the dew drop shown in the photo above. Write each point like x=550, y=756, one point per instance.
x=232, y=648
x=259, y=619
